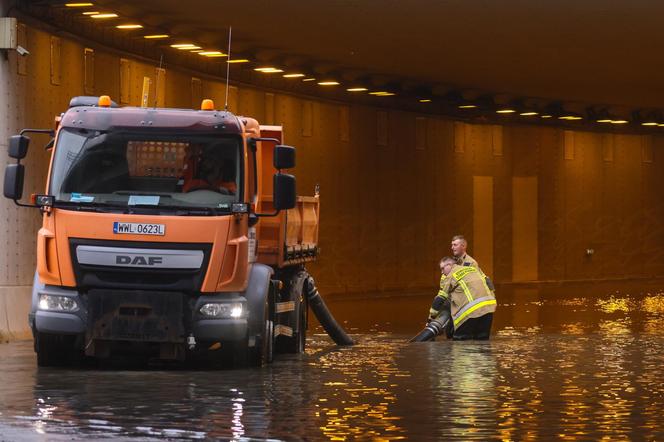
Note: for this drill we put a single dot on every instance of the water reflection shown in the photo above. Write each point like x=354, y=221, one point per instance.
x=572, y=365
x=361, y=406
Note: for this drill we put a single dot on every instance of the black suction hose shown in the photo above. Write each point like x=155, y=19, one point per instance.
x=433, y=328
x=338, y=334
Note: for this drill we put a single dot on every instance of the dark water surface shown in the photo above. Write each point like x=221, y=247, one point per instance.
x=581, y=362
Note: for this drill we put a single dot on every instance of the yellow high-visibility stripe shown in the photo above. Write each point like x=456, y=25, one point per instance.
x=466, y=290
x=473, y=308
x=442, y=293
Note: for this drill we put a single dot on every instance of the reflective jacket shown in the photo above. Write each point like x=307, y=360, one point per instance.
x=467, y=292
x=467, y=260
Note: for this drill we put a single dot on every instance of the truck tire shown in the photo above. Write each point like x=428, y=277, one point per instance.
x=260, y=295
x=263, y=352
x=56, y=350
x=298, y=318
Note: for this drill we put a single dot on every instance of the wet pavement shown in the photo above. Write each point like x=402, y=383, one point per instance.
x=567, y=363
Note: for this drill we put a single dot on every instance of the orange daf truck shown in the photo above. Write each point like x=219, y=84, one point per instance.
x=167, y=233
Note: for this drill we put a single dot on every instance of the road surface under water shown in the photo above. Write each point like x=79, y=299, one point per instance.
x=569, y=363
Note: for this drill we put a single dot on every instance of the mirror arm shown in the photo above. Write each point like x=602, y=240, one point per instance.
x=50, y=132
x=24, y=205
x=254, y=139
x=260, y=215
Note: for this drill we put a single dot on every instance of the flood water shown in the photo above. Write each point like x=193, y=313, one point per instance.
x=581, y=362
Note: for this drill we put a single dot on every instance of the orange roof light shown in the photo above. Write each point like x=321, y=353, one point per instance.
x=207, y=105
x=104, y=101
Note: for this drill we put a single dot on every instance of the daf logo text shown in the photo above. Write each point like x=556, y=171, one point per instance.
x=138, y=260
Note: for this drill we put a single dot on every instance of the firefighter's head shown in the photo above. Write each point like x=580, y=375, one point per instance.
x=446, y=265
x=459, y=245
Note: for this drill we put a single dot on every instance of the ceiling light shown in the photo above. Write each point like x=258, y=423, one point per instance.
x=546, y=116
x=78, y=5
x=197, y=51
x=269, y=70
x=293, y=75
x=156, y=36
x=528, y=113
x=570, y=117
x=467, y=106
x=424, y=100
x=604, y=120
x=133, y=26
x=649, y=123
x=309, y=79
x=357, y=89
x=91, y=13
x=382, y=93
x=328, y=83
x=212, y=54
x=238, y=60
x=505, y=111
x=106, y=15
x=185, y=46
x=619, y=121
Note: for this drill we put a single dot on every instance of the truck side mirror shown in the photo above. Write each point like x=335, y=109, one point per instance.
x=284, y=157
x=14, y=181
x=284, y=191
x=18, y=146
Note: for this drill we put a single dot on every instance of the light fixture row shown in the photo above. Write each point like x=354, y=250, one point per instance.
x=195, y=48
x=464, y=106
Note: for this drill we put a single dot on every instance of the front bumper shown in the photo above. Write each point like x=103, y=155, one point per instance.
x=112, y=315
x=58, y=323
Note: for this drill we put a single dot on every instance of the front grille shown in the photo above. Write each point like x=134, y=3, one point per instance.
x=145, y=316
x=109, y=277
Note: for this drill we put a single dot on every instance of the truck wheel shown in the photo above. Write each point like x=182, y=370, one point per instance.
x=263, y=352
x=56, y=350
x=299, y=318
x=300, y=338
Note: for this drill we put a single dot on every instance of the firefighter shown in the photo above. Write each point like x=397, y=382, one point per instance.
x=470, y=301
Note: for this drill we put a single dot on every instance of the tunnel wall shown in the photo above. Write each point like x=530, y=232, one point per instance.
x=536, y=203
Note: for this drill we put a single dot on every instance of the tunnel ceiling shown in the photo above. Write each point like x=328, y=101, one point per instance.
x=593, y=53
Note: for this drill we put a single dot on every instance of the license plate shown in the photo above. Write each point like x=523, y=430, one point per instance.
x=139, y=228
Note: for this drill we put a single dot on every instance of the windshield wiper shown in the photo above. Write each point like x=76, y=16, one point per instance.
x=179, y=210
x=194, y=211
x=88, y=206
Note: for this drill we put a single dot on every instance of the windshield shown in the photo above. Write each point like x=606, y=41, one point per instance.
x=130, y=169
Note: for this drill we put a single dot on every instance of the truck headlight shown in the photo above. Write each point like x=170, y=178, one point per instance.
x=217, y=310
x=57, y=303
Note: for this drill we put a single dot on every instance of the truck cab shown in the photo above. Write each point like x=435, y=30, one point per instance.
x=167, y=232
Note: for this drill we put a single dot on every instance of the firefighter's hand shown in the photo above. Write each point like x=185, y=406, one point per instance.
x=429, y=320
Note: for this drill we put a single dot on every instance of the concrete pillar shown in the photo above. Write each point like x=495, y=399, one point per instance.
x=17, y=229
